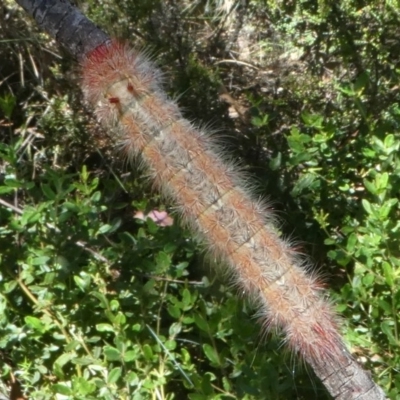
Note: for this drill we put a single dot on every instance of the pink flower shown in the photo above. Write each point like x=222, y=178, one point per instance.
x=161, y=218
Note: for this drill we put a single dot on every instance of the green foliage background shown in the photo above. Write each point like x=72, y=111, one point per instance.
x=95, y=303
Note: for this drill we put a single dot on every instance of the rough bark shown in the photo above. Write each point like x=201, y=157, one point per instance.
x=343, y=377
x=66, y=24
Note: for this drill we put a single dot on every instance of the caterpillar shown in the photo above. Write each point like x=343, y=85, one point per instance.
x=183, y=161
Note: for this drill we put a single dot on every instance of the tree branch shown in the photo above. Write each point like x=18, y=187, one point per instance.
x=66, y=24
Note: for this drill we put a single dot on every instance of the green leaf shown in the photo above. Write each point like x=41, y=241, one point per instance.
x=304, y=183
x=103, y=299
x=275, y=163
x=40, y=260
x=119, y=319
x=114, y=375
x=388, y=273
x=163, y=261
x=72, y=345
x=30, y=216
x=382, y=181
x=148, y=352
x=170, y=345
x=311, y=120
x=175, y=329
x=7, y=104
x=297, y=140
x=35, y=324
x=370, y=186
x=84, y=174
x=61, y=389
x=385, y=306
x=387, y=329
x=9, y=286
x=6, y=189
x=206, y=385
x=82, y=386
x=386, y=208
x=211, y=354
x=130, y=355
x=96, y=196
x=201, y=322
x=84, y=361
x=82, y=283
x=105, y=328
x=351, y=242
x=361, y=83
x=197, y=396
x=104, y=229
x=174, y=311
x=48, y=191
x=389, y=141
x=64, y=359
x=111, y=353
x=367, y=206
x=186, y=299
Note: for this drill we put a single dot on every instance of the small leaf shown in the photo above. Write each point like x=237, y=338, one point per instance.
x=40, y=260
x=104, y=229
x=385, y=306
x=48, y=191
x=312, y=120
x=370, y=186
x=382, y=180
x=206, y=385
x=174, y=311
x=147, y=352
x=82, y=386
x=186, y=299
x=351, y=242
x=114, y=375
x=170, y=345
x=367, y=206
x=35, y=323
x=197, y=396
x=163, y=261
x=7, y=104
x=104, y=328
x=388, y=330
x=96, y=196
x=6, y=189
x=389, y=141
x=201, y=322
x=64, y=358
x=84, y=173
x=81, y=283
x=175, y=329
x=388, y=273
x=84, y=361
x=130, y=355
x=62, y=389
x=111, y=353
x=102, y=298
x=120, y=319
x=386, y=208
x=275, y=163
x=211, y=354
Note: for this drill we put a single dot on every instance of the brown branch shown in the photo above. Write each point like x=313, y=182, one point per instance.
x=66, y=24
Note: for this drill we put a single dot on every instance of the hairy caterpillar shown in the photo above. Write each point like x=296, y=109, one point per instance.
x=125, y=90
